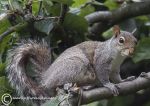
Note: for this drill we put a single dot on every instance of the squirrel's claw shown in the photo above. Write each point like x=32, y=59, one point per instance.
x=113, y=88
x=73, y=88
x=144, y=75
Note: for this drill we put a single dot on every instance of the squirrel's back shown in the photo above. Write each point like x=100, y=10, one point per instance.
x=73, y=58
x=86, y=48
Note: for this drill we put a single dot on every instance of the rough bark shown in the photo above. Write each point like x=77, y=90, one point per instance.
x=102, y=20
x=125, y=88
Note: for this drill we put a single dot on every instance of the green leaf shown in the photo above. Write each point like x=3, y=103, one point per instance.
x=98, y=103
x=54, y=10
x=3, y=3
x=111, y=4
x=142, y=50
x=21, y=103
x=35, y=7
x=143, y=18
x=87, y=10
x=4, y=86
x=78, y=3
x=3, y=46
x=121, y=101
x=147, y=104
x=53, y=102
x=108, y=34
x=16, y=5
x=68, y=2
x=47, y=5
x=75, y=22
x=2, y=80
x=44, y=26
x=4, y=23
x=2, y=67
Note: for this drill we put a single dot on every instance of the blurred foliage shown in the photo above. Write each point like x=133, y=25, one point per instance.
x=53, y=102
x=143, y=50
x=41, y=21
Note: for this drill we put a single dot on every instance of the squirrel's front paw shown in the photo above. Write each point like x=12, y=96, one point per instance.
x=113, y=88
x=72, y=88
x=129, y=78
x=144, y=75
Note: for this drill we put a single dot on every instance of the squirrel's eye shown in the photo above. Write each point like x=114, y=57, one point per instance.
x=121, y=40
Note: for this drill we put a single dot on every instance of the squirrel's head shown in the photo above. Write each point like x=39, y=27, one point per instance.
x=125, y=42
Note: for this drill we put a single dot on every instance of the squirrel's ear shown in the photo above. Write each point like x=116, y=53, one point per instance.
x=116, y=30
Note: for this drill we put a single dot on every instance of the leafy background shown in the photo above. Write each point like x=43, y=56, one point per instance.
x=17, y=25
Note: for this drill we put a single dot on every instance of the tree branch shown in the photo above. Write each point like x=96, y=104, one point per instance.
x=12, y=29
x=124, y=89
x=105, y=19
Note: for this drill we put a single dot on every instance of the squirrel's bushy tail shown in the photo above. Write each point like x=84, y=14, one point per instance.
x=28, y=54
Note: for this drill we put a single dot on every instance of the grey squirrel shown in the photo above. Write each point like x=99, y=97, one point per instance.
x=87, y=63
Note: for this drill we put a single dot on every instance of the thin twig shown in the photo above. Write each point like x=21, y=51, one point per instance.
x=44, y=18
x=40, y=6
x=64, y=9
x=12, y=29
x=29, y=6
x=91, y=2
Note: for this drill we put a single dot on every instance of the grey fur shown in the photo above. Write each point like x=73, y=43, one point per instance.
x=88, y=63
x=28, y=51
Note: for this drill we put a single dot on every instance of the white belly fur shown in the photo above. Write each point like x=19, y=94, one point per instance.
x=117, y=62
